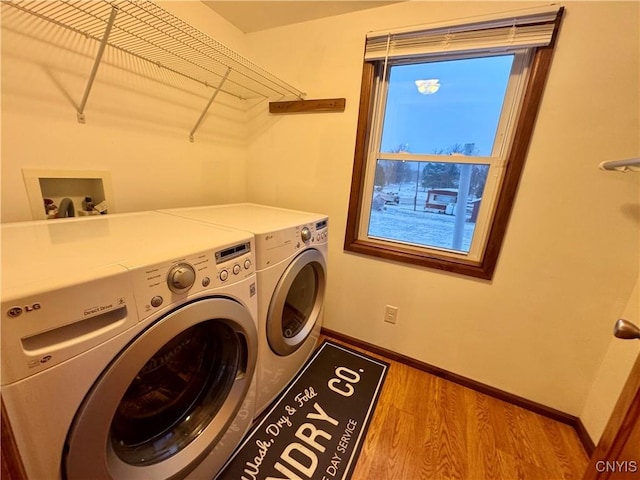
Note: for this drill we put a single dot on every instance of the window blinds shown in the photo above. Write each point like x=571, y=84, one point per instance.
x=510, y=30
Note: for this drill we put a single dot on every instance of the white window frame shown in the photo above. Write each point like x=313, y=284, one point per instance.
x=496, y=161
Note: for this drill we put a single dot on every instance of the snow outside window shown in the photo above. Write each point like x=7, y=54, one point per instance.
x=459, y=116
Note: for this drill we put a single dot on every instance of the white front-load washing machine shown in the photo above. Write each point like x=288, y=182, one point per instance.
x=129, y=345
x=291, y=257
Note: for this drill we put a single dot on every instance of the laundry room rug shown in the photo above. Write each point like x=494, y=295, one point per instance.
x=316, y=428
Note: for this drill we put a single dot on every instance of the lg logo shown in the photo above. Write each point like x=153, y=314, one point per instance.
x=14, y=312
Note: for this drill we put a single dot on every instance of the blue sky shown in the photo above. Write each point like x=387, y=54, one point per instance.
x=465, y=109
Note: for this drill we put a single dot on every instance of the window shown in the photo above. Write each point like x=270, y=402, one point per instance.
x=446, y=114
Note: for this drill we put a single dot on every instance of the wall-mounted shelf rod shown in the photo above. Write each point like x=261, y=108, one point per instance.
x=632, y=164
x=96, y=64
x=206, y=109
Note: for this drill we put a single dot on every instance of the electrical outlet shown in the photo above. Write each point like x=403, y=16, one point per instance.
x=390, y=314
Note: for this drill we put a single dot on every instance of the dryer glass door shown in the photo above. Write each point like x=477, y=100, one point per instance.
x=297, y=302
x=167, y=399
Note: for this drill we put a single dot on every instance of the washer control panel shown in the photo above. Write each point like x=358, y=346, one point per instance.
x=163, y=284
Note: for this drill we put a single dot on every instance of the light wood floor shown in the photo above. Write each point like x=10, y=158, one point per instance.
x=425, y=427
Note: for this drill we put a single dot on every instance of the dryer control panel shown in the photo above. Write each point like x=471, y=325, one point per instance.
x=163, y=284
x=274, y=247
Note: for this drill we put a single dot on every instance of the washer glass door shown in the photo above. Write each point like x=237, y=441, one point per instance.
x=297, y=302
x=164, y=402
x=176, y=394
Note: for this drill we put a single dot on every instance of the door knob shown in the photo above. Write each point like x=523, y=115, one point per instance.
x=625, y=329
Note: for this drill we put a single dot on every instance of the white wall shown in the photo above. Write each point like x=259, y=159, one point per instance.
x=135, y=128
x=542, y=326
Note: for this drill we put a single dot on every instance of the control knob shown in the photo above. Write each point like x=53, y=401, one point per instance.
x=181, y=277
x=305, y=234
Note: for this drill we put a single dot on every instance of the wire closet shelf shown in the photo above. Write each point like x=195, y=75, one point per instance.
x=146, y=31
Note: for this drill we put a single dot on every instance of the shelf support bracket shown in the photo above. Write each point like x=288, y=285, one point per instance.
x=96, y=64
x=206, y=109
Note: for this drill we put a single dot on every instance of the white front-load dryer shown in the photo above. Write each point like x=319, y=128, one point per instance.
x=291, y=257
x=129, y=345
